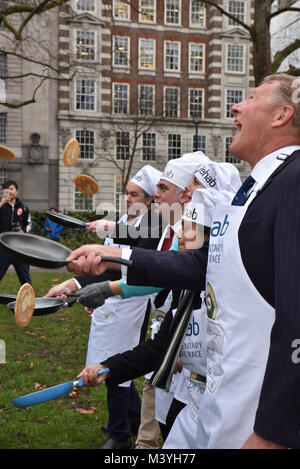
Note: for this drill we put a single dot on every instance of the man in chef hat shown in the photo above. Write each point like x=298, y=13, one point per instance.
x=117, y=325
x=170, y=197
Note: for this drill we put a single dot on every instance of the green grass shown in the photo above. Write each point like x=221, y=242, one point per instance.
x=49, y=351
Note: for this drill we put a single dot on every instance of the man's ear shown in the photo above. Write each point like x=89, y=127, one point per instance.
x=184, y=198
x=149, y=200
x=283, y=115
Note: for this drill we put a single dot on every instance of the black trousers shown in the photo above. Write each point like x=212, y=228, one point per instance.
x=124, y=411
x=22, y=270
x=175, y=407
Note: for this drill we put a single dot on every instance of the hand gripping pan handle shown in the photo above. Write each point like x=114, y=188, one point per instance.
x=50, y=393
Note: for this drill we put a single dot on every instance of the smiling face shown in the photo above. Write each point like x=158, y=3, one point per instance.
x=255, y=119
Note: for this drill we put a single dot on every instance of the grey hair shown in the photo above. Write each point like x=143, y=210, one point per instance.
x=289, y=92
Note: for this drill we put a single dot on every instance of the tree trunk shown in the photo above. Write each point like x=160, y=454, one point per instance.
x=260, y=33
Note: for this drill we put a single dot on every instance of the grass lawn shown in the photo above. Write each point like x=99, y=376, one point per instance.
x=49, y=351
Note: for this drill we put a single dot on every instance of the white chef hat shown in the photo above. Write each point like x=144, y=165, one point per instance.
x=200, y=209
x=219, y=176
x=147, y=178
x=180, y=171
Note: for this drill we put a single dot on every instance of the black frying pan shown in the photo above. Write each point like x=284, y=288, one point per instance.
x=65, y=220
x=42, y=252
x=44, y=306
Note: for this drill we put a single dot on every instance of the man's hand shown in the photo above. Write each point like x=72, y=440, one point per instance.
x=100, y=227
x=90, y=377
x=60, y=290
x=87, y=259
x=257, y=442
x=94, y=295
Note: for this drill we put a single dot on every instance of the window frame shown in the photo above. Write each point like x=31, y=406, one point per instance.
x=191, y=23
x=243, y=59
x=202, y=46
x=174, y=70
x=144, y=67
x=178, y=102
x=166, y=14
x=121, y=145
x=141, y=20
x=152, y=113
x=121, y=65
x=76, y=94
x=121, y=18
x=151, y=147
x=121, y=98
x=82, y=59
x=242, y=91
x=179, y=151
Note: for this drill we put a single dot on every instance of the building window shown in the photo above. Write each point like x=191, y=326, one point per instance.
x=172, y=56
x=235, y=58
x=85, y=95
x=146, y=100
x=174, y=146
x=171, y=102
x=85, y=45
x=197, y=13
x=196, y=102
x=3, y=125
x=122, y=146
x=82, y=201
x=120, y=98
x=121, y=51
x=196, y=57
x=86, y=5
x=147, y=11
x=121, y=10
x=3, y=75
x=85, y=139
x=147, y=53
x=172, y=11
x=232, y=97
x=228, y=157
x=237, y=9
x=118, y=193
x=199, y=143
x=149, y=147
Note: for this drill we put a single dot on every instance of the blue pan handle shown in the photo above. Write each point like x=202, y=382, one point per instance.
x=79, y=382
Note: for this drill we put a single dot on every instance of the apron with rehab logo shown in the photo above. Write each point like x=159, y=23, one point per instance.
x=116, y=325
x=193, y=356
x=238, y=337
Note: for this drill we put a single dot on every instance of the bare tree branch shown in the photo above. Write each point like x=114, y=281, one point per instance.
x=283, y=54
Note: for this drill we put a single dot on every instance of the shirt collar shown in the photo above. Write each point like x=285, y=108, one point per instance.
x=267, y=165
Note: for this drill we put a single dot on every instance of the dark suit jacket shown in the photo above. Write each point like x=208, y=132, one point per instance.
x=146, y=236
x=269, y=242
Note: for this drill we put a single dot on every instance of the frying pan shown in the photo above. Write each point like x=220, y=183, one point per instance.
x=66, y=220
x=50, y=393
x=42, y=252
x=44, y=306
x=5, y=298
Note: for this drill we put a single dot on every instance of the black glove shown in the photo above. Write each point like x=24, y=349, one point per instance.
x=94, y=295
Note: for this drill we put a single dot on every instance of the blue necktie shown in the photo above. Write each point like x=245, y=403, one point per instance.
x=241, y=194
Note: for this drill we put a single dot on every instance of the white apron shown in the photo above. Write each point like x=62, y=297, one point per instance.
x=238, y=339
x=238, y=336
x=116, y=325
x=193, y=357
